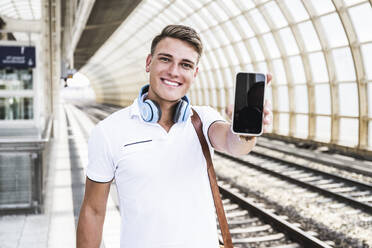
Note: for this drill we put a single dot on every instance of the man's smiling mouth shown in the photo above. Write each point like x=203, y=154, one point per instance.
x=170, y=83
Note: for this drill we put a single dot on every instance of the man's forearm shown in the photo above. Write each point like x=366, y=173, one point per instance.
x=89, y=230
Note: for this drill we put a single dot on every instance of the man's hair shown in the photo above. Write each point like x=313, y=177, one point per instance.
x=179, y=32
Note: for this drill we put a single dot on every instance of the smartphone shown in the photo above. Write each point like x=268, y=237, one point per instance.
x=249, y=103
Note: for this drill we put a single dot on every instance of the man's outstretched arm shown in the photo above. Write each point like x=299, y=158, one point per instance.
x=92, y=214
x=223, y=139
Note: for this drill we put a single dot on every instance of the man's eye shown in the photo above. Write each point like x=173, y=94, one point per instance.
x=187, y=66
x=164, y=59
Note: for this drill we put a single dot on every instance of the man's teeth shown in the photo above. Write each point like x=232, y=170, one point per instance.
x=170, y=83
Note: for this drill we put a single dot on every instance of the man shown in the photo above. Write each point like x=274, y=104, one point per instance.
x=152, y=151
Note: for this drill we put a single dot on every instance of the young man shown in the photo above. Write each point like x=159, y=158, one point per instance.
x=152, y=151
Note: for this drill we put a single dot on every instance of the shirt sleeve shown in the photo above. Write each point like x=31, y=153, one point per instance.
x=208, y=116
x=100, y=163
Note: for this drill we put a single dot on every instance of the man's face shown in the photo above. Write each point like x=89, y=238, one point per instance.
x=172, y=67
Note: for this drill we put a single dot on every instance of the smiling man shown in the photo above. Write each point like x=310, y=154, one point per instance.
x=152, y=151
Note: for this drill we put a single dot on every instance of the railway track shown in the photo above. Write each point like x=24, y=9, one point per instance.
x=355, y=193
x=253, y=224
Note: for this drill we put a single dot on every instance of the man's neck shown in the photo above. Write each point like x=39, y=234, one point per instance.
x=167, y=111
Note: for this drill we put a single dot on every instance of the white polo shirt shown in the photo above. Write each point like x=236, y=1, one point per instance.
x=161, y=179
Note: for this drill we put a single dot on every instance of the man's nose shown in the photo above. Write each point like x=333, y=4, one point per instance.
x=173, y=70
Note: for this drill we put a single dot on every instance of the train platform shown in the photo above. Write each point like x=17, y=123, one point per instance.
x=64, y=191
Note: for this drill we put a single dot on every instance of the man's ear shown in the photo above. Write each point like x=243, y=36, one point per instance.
x=148, y=62
x=196, y=71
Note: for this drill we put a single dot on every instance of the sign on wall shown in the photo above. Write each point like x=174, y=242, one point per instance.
x=17, y=57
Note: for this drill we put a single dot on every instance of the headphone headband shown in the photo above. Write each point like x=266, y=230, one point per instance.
x=151, y=112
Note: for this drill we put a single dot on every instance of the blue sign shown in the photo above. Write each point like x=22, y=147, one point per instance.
x=17, y=57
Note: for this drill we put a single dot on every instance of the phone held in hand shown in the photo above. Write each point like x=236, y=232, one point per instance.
x=249, y=103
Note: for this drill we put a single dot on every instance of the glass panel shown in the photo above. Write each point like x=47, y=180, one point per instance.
x=283, y=105
x=361, y=17
x=279, y=73
x=221, y=36
x=230, y=29
x=232, y=8
x=201, y=23
x=349, y=132
x=318, y=67
x=249, y=67
x=222, y=61
x=11, y=79
x=271, y=45
x=323, y=6
x=260, y=22
x=245, y=28
x=322, y=99
x=211, y=39
x=231, y=55
x=283, y=124
x=206, y=65
x=348, y=97
x=186, y=8
x=344, y=64
x=218, y=13
x=301, y=102
x=269, y=93
x=310, y=36
x=369, y=88
x=262, y=67
x=228, y=77
x=176, y=11
x=196, y=4
x=276, y=14
x=367, y=58
x=334, y=30
x=351, y=2
x=297, y=10
x=289, y=41
x=208, y=17
x=16, y=108
x=256, y=48
x=245, y=5
x=302, y=126
x=370, y=135
x=245, y=58
x=297, y=69
x=323, y=128
x=21, y=9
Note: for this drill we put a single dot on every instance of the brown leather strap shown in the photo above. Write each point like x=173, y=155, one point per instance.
x=195, y=119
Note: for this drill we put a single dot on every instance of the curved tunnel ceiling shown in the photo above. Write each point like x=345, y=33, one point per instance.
x=319, y=52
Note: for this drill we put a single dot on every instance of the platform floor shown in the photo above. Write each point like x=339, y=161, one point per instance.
x=65, y=183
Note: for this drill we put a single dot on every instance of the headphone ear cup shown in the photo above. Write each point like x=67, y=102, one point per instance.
x=146, y=112
x=152, y=110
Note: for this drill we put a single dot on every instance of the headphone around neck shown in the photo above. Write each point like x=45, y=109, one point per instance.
x=151, y=112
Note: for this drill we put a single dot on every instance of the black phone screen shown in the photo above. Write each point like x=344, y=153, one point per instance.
x=249, y=100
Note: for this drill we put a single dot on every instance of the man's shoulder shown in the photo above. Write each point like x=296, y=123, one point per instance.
x=116, y=118
x=204, y=110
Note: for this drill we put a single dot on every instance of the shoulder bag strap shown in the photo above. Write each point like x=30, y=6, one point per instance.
x=195, y=119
